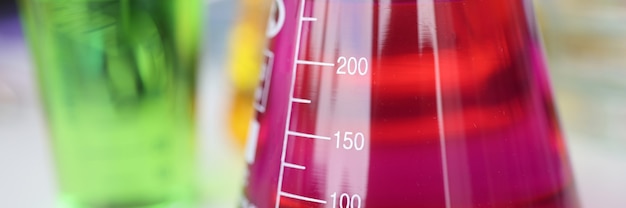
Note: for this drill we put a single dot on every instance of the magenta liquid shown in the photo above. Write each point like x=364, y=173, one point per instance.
x=402, y=103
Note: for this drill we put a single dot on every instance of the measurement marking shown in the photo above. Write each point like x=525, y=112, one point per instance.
x=303, y=198
x=300, y=100
x=289, y=108
x=315, y=63
x=311, y=19
x=259, y=107
x=294, y=166
x=311, y=136
x=428, y=24
x=267, y=77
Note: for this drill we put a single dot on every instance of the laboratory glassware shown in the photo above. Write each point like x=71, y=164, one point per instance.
x=406, y=103
x=117, y=80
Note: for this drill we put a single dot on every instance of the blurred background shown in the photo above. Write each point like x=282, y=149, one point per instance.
x=586, y=49
x=586, y=46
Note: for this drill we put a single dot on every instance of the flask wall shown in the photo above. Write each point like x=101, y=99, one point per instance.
x=407, y=104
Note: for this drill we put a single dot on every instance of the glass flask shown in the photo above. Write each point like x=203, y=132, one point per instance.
x=406, y=103
x=117, y=79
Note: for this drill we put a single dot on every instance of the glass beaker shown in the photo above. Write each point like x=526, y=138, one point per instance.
x=117, y=80
x=406, y=103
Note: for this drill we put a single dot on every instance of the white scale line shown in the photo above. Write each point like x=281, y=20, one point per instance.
x=292, y=133
x=315, y=63
x=300, y=100
x=294, y=166
x=289, y=108
x=259, y=107
x=311, y=19
x=303, y=198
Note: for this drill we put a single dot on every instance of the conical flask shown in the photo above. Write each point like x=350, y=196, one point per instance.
x=405, y=103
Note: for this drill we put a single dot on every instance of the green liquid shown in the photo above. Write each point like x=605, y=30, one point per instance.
x=118, y=86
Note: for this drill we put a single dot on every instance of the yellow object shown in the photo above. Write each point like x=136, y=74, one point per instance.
x=246, y=46
x=246, y=54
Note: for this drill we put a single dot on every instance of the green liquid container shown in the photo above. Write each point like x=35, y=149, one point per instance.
x=117, y=80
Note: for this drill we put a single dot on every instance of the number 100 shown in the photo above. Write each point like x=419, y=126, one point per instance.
x=353, y=201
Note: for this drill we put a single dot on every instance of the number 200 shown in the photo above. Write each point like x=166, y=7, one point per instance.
x=352, y=66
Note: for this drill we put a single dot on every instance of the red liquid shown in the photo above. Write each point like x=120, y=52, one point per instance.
x=454, y=110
